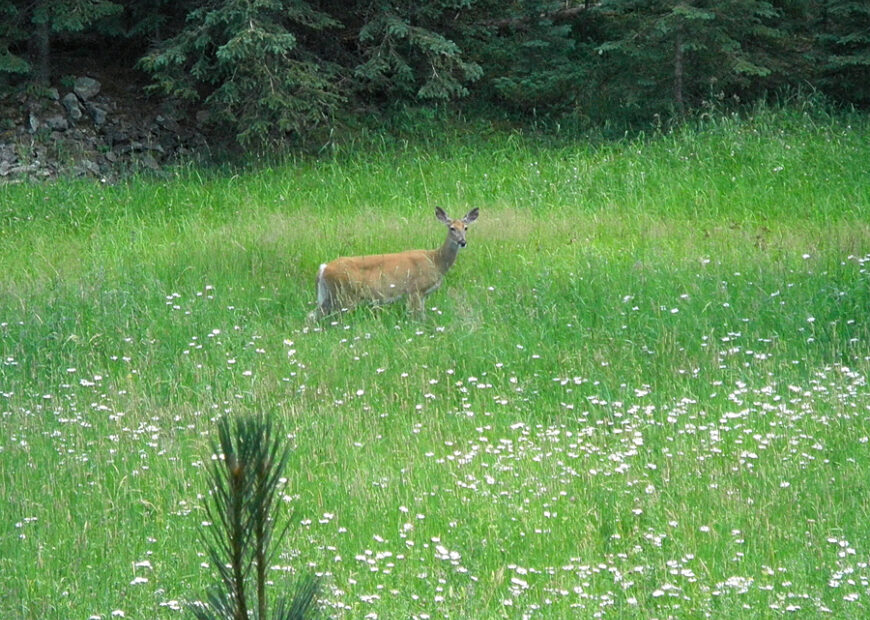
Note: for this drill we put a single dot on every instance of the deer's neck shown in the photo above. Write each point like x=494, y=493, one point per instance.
x=445, y=256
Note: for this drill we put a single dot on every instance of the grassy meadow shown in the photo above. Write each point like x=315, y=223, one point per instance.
x=640, y=393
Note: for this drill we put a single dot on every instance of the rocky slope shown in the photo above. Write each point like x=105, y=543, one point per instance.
x=84, y=129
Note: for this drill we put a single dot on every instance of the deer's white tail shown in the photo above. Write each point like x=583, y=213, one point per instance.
x=322, y=295
x=322, y=290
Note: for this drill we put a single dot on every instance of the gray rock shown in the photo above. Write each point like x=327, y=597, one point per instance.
x=115, y=136
x=98, y=114
x=7, y=153
x=169, y=124
x=57, y=122
x=24, y=168
x=88, y=166
x=73, y=109
x=86, y=88
x=150, y=162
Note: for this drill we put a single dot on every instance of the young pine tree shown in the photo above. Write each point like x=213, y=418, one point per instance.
x=244, y=532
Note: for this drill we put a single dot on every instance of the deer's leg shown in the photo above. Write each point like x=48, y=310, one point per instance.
x=318, y=313
x=416, y=303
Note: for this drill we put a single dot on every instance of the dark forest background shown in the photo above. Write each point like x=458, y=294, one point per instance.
x=267, y=70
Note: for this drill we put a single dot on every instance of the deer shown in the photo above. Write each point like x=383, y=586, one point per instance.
x=378, y=279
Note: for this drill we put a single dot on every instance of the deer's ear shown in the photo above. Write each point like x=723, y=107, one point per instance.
x=442, y=217
x=471, y=216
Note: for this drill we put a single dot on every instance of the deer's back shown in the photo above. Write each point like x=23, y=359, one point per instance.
x=383, y=277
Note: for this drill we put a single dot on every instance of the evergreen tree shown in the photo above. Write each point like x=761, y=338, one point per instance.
x=27, y=30
x=242, y=534
x=407, y=50
x=267, y=68
x=13, y=32
x=536, y=54
x=247, y=61
x=668, y=55
x=844, y=38
x=153, y=21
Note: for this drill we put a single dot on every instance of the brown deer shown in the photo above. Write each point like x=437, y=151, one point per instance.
x=384, y=278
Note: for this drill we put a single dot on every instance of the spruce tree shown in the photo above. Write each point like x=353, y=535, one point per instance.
x=844, y=38
x=248, y=64
x=28, y=29
x=668, y=55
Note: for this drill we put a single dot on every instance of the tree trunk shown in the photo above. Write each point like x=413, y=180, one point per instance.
x=678, y=75
x=40, y=43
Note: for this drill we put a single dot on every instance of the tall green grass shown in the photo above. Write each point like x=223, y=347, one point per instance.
x=640, y=392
